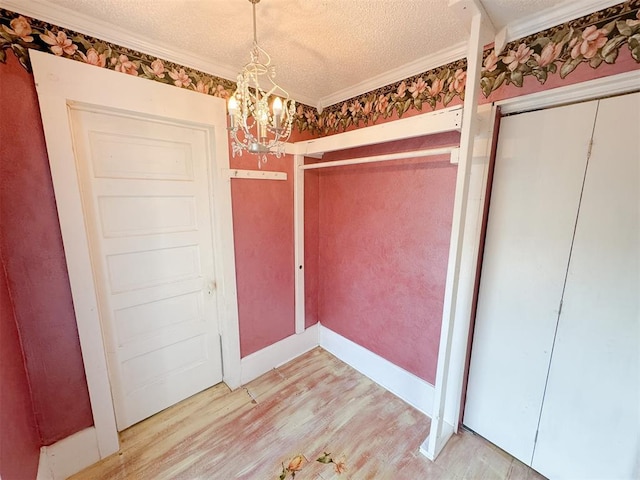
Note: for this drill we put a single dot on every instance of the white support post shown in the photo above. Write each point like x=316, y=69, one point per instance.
x=298, y=236
x=441, y=431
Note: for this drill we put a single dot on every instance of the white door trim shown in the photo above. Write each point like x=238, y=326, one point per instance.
x=601, y=87
x=60, y=82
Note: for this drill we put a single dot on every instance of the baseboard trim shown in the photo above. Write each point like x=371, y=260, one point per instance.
x=413, y=390
x=80, y=450
x=260, y=362
x=69, y=455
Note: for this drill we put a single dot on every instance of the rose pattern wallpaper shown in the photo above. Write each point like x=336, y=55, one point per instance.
x=594, y=39
x=19, y=33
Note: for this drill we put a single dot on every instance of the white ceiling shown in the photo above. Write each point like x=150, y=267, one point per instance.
x=325, y=51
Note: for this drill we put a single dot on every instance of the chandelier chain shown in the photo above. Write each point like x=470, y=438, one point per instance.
x=255, y=30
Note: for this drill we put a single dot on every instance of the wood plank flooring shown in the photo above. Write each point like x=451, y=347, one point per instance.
x=312, y=406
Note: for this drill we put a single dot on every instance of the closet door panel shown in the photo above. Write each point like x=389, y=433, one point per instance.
x=589, y=426
x=538, y=176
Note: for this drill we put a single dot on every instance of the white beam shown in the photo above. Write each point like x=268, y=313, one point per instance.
x=467, y=10
x=298, y=238
x=446, y=120
x=427, y=152
x=440, y=430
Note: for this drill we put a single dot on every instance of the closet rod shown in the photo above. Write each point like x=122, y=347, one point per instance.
x=382, y=158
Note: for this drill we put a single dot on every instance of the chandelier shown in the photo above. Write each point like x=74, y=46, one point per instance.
x=260, y=115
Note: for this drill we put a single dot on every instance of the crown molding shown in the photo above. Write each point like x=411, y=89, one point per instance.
x=538, y=22
x=66, y=18
x=448, y=55
x=301, y=98
x=551, y=17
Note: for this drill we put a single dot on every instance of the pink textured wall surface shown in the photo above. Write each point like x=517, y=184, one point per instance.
x=19, y=440
x=311, y=232
x=35, y=264
x=384, y=232
x=263, y=234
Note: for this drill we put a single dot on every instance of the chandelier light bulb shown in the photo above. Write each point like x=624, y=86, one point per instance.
x=233, y=108
x=277, y=112
x=277, y=106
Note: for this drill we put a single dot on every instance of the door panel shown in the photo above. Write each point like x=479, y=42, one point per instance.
x=145, y=195
x=540, y=163
x=127, y=156
x=123, y=216
x=591, y=407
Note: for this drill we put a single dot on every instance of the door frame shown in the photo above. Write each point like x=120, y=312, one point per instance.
x=62, y=82
x=618, y=84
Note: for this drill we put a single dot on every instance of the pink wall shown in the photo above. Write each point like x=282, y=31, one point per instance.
x=19, y=440
x=263, y=231
x=35, y=264
x=383, y=248
x=311, y=245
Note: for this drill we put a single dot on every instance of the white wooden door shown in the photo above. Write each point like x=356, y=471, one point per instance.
x=590, y=423
x=146, y=201
x=540, y=164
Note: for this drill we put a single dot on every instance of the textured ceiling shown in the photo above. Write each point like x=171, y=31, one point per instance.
x=320, y=47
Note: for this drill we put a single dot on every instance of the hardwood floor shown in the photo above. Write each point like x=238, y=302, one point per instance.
x=313, y=406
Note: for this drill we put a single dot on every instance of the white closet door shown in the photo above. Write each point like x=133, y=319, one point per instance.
x=538, y=176
x=589, y=426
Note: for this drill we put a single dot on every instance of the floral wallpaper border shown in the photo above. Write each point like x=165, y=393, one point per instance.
x=19, y=33
x=438, y=86
x=595, y=39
